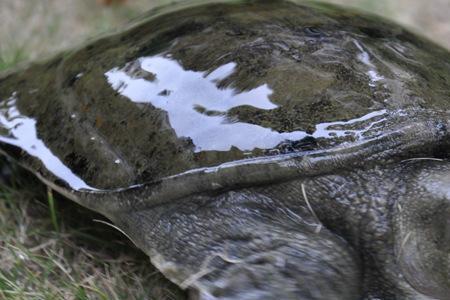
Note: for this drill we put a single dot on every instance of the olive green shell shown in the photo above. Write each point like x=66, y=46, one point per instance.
x=200, y=85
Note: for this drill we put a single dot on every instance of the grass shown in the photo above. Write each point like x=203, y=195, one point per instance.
x=72, y=258
x=52, y=209
x=11, y=58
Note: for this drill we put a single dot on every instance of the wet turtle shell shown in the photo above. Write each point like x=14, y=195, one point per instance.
x=254, y=89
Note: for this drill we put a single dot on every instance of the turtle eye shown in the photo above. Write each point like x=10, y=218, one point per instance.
x=423, y=232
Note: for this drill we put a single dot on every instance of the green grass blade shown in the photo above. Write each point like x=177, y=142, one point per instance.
x=51, y=205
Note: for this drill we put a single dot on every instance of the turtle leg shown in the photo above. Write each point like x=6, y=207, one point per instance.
x=244, y=245
x=422, y=228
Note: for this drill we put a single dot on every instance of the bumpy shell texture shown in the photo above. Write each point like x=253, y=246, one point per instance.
x=202, y=85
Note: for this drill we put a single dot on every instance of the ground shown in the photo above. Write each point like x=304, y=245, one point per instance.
x=49, y=247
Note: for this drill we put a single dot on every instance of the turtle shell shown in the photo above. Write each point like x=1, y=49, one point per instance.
x=200, y=85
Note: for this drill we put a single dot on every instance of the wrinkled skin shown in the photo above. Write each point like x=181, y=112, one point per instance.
x=254, y=150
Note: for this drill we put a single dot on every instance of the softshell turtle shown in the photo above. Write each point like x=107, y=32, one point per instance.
x=254, y=150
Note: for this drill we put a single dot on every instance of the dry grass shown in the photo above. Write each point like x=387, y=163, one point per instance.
x=81, y=260
x=61, y=253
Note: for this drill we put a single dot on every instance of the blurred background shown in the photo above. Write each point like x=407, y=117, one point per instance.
x=31, y=29
x=51, y=248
